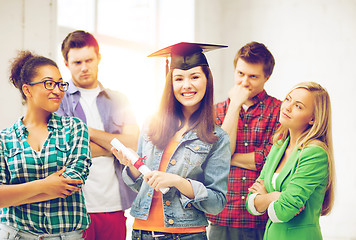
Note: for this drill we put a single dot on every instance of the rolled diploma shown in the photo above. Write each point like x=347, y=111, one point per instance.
x=133, y=158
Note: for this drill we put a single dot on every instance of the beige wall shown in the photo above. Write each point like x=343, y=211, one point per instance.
x=311, y=41
x=24, y=24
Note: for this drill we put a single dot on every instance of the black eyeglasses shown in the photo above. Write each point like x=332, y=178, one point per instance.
x=50, y=85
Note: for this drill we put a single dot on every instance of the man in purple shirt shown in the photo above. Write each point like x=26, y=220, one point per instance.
x=107, y=116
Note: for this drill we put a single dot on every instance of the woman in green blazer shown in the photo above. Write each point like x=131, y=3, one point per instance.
x=296, y=183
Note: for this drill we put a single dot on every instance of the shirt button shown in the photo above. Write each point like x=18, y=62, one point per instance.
x=168, y=203
x=246, y=144
x=170, y=221
x=243, y=178
x=173, y=162
x=246, y=125
x=243, y=197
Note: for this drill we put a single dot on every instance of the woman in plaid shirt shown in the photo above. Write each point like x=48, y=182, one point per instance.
x=44, y=159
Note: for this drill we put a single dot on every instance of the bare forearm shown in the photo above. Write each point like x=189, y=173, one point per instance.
x=97, y=151
x=185, y=187
x=133, y=172
x=158, y=180
x=262, y=201
x=231, y=122
x=128, y=137
x=54, y=185
x=38, y=198
x=14, y=195
x=244, y=160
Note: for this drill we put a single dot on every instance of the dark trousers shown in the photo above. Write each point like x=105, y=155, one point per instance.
x=146, y=235
x=218, y=232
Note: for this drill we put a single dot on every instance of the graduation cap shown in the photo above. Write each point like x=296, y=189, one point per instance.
x=185, y=55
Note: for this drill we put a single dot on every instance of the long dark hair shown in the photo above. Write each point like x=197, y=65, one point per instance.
x=170, y=118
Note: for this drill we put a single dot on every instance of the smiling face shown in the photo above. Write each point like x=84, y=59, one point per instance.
x=297, y=110
x=83, y=64
x=40, y=97
x=189, y=87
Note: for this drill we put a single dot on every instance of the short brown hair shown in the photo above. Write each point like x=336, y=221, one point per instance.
x=255, y=52
x=78, y=39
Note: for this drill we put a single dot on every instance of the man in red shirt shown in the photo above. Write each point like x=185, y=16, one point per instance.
x=250, y=117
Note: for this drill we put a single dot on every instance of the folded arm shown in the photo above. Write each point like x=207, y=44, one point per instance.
x=53, y=186
x=79, y=159
x=128, y=137
x=210, y=191
x=312, y=172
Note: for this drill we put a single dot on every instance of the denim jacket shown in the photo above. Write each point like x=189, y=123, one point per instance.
x=205, y=165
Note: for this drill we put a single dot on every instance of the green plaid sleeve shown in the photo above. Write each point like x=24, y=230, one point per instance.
x=2, y=164
x=79, y=160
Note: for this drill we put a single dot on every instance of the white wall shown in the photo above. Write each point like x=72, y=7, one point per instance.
x=311, y=40
x=209, y=29
x=24, y=24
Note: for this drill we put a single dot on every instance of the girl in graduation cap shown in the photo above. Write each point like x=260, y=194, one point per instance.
x=187, y=152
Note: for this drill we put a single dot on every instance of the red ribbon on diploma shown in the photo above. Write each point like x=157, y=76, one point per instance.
x=139, y=162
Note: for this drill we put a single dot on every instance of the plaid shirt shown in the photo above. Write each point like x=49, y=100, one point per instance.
x=67, y=145
x=255, y=129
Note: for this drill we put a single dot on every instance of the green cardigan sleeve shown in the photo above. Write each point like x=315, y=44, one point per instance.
x=308, y=174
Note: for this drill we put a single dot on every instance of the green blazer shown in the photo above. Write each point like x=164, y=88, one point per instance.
x=302, y=182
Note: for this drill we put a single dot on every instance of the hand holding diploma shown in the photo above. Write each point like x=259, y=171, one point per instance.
x=134, y=160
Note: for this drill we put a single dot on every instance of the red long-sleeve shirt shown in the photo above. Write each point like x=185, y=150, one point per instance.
x=255, y=129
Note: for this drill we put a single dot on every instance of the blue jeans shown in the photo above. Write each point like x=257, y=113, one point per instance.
x=147, y=235
x=11, y=233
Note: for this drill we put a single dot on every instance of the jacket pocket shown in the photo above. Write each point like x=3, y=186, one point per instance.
x=63, y=151
x=63, y=147
x=196, y=153
x=13, y=152
x=309, y=231
x=14, y=160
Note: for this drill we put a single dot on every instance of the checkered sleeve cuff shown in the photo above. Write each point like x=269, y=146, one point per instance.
x=70, y=173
